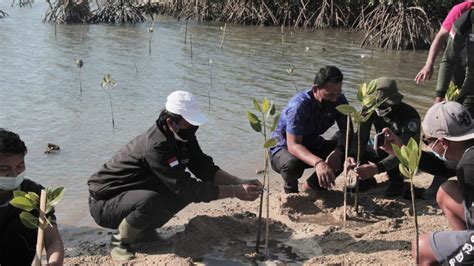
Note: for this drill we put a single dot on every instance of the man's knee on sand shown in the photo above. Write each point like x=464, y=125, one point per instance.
x=426, y=255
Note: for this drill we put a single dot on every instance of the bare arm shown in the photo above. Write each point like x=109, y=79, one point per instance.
x=326, y=177
x=232, y=186
x=427, y=71
x=54, y=245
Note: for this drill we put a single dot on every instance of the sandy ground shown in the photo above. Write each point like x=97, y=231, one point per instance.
x=302, y=230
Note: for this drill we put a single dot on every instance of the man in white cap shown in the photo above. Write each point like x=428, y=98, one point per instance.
x=146, y=183
x=449, y=133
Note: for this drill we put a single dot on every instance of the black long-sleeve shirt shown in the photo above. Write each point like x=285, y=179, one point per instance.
x=464, y=171
x=403, y=120
x=155, y=161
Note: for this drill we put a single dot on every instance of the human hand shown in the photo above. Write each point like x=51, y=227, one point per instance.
x=325, y=175
x=334, y=160
x=390, y=138
x=350, y=163
x=247, y=192
x=438, y=99
x=254, y=182
x=366, y=170
x=425, y=73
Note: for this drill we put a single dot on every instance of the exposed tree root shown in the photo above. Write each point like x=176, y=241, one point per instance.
x=117, y=11
x=67, y=11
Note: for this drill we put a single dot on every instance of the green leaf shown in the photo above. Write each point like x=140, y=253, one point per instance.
x=265, y=105
x=405, y=155
x=257, y=105
x=272, y=110
x=360, y=95
x=345, y=109
x=55, y=196
x=412, y=164
x=412, y=145
x=404, y=171
x=29, y=220
x=357, y=117
x=369, y=101
x=275, y=121
x=397, y=152
x=18, y=193
x=257, y=127
x=22, y=203
x=270, y=143
x=253, y=119
x=33, y=197
x=371, y=87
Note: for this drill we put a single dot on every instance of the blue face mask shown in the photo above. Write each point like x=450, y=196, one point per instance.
x=443, y=157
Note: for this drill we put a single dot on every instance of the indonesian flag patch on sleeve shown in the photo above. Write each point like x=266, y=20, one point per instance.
x=173, y=161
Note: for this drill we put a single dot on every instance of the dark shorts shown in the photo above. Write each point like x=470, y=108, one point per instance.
x=445, y=243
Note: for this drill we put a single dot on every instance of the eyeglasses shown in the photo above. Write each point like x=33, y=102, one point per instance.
x=428, y=140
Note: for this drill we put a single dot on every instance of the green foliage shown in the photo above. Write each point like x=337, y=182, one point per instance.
x=79, y=63
x=453, y=92
x=267, y=111
x=28, y=202
x=409, y=157
x=108, y=81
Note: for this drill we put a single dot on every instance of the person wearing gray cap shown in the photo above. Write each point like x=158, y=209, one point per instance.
x=404, y=121
x=448, y=131
x=146, y=183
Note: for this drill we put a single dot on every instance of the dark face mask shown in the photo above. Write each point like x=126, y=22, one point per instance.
x=326, y=104
x=188, y=133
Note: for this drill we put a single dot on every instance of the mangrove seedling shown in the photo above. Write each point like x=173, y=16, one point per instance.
x=368, y=100
x=108, y=83
x=150, y=36
x=266, y=111
x=290, y=72
x=79, y=64
x=36, y=212
x=409, y=157
x=223, y=35
x=210, y=76
x=452, y=93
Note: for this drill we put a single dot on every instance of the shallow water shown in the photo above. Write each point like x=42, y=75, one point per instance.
x=40, y=99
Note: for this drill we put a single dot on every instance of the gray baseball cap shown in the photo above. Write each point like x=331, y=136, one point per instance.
x=449, y=120
x=387, y=89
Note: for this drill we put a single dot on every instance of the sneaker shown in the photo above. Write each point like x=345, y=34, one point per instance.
x=364, y=185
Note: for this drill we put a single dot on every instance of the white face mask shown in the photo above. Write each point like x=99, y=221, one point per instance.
x=383, y=112
x=11, y=183
x=441, y=157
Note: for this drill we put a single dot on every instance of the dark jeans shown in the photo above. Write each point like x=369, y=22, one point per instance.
x=291, y=168
x=143, y=209
x=17, y=244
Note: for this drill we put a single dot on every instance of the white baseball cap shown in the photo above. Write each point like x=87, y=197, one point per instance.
x=449, y=120
x=185, y=104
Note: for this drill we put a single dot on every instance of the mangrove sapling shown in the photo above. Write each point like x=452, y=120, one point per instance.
x=36, y=212
x=267, y=111
x=150, y=36
x=191, y=43
x=108, y=83
x=282, y=32
x=409, y=157
x=368, y=100
x=223, y=35
x=79, y=64
x=210, y=76
x=452, y=94
x=134, y=61
x=290, y=72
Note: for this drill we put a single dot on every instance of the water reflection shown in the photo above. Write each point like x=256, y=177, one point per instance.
x=40, y=87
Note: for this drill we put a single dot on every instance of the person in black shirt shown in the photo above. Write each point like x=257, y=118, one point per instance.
x=17, y=242
x=449, y=133
x=146, y=183
x=404, y=121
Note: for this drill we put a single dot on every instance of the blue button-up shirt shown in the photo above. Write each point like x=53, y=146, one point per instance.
x=305, y=116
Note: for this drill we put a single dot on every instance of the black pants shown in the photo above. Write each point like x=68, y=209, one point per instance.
x=17, y=243
x=291, y=168
x=143, y=209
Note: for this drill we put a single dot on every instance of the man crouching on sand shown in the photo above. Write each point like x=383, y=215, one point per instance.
x=146, y=182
